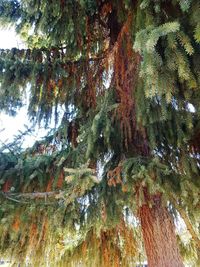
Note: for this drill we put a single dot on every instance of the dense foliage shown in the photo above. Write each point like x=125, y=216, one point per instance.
x=127, y=75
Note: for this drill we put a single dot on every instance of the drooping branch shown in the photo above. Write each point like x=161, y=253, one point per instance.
x=187, y=222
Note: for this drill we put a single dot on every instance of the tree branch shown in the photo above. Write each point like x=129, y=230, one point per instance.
x=188, y=224
x=34, y=195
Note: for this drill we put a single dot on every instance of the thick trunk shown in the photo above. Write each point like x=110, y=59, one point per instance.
x=159, y=236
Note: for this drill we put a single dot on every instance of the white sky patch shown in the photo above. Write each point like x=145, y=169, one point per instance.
x=9, y=39
x=191, y=108
x=10, y=127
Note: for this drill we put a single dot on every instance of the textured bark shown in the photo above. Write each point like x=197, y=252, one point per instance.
x=159, y=235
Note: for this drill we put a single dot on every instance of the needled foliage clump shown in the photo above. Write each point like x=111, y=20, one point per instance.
x=126, y=76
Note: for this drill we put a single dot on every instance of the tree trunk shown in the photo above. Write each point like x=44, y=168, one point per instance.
x=159, y=235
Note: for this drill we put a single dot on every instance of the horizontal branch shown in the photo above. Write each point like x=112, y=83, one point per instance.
x=47, y=56
x=34, y=195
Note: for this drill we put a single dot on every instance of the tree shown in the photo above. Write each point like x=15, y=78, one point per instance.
x=125, y=155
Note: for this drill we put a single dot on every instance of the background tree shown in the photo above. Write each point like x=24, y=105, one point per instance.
x=125, y=155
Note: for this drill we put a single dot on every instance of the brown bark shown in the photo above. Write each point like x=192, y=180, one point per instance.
x=159, y=235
